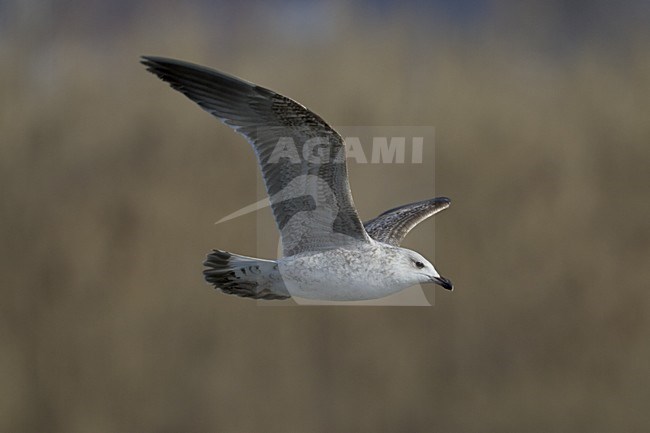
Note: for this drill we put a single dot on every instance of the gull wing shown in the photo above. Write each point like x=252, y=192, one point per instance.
x=392, y=226
x=301, y=157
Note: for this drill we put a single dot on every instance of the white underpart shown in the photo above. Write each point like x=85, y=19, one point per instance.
x=359, y=272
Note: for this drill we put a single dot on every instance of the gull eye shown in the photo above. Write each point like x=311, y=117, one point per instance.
x=419, y=265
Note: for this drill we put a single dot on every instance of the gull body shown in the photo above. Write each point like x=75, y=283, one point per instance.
x=329, y=254
x=358, y=272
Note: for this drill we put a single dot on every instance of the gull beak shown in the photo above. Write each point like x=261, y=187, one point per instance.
x=443, y=282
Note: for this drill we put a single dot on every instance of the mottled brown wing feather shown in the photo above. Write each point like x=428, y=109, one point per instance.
x=305, y=177
x=392, y=226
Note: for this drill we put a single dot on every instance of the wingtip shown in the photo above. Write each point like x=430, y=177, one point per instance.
x=442, y=202
x=150, y=58
x=155, y=61
x=149, y=62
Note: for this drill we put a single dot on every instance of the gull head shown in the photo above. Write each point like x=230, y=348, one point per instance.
x=415, y=269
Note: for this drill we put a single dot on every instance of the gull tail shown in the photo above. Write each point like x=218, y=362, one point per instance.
x=243, y=276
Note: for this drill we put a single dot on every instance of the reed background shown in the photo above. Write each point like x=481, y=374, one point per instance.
x=111, y=183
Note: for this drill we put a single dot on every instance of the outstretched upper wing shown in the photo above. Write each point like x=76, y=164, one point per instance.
x=392, y=226
x=301, y=157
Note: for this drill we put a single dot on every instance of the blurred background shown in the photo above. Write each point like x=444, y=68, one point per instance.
x=111, y=183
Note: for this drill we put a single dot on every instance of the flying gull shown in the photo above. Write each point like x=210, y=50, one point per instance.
x=328, y=253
